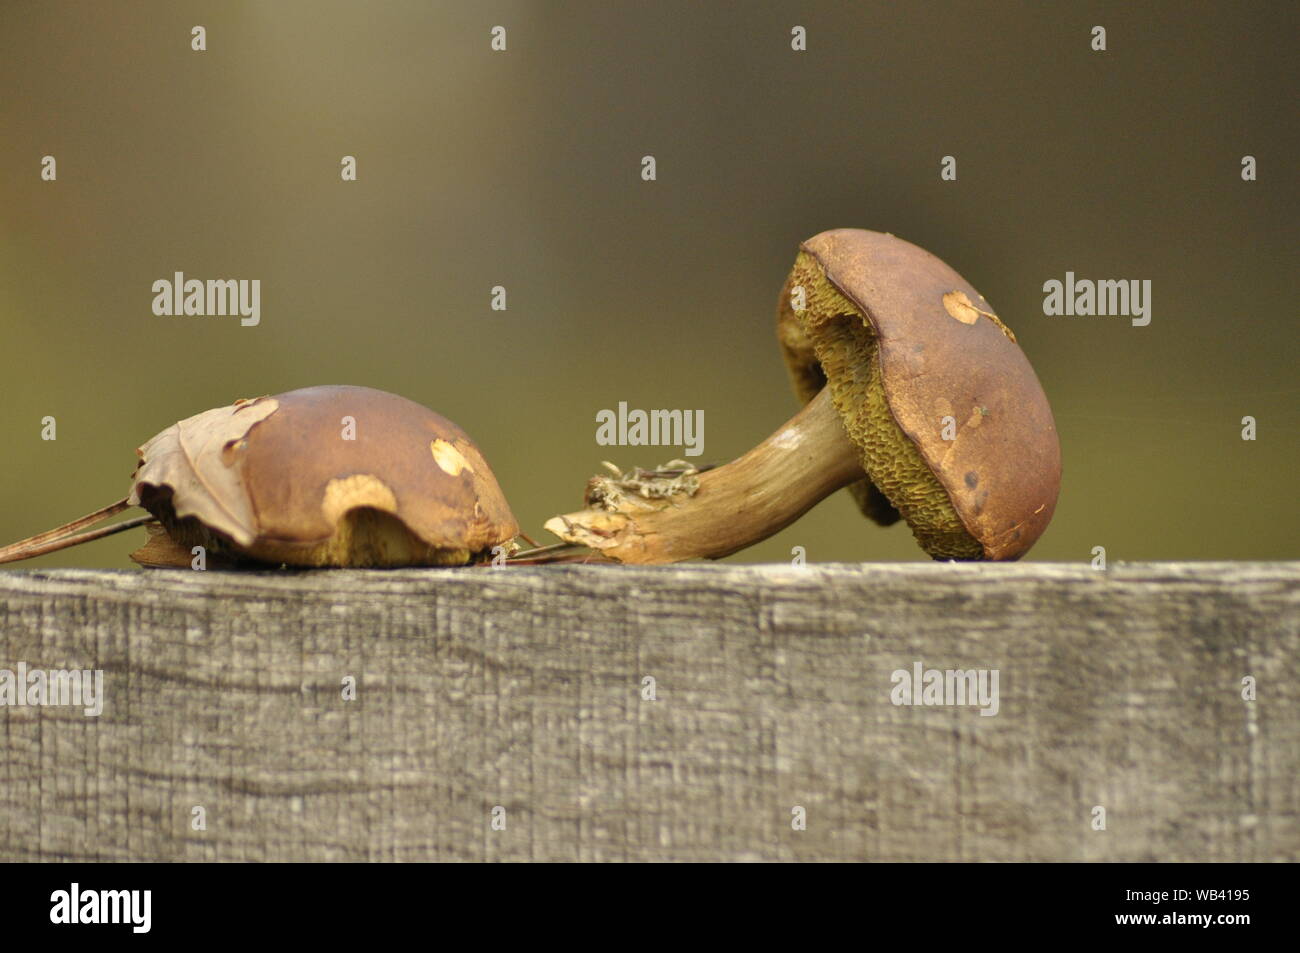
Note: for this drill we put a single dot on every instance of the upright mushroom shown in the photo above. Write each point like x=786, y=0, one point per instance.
x=917, y=396
x=323, y=476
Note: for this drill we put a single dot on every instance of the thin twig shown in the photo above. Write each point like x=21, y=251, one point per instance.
x=26, y=549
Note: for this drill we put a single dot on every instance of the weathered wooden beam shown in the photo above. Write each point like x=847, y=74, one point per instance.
x=520, y=691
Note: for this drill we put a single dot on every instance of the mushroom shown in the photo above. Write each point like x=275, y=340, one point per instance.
x=323, y=476
x=917, y=397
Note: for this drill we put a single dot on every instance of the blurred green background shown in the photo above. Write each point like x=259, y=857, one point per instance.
x=523, y=169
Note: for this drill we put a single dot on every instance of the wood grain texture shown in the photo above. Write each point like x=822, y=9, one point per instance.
x=521, y=688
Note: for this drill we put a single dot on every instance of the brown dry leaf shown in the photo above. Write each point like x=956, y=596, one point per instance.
x=160, y=551
x=188, y=458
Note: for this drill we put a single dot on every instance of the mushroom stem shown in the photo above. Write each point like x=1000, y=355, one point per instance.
x=735, y=505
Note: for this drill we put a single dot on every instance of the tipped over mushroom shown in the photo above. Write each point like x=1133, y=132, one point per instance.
x=917, y=397
x=323, y=476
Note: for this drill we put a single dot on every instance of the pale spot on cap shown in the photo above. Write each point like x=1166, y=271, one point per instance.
x=958, y=306
x=449, y=458
x=361, y=489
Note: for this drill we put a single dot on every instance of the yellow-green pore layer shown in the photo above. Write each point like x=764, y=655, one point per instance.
x=832, y=341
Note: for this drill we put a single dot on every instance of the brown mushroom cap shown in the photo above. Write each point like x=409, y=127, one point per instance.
x=276, y=478
x=903, y=341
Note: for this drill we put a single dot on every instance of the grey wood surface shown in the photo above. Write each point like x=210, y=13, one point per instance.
x=522, y=689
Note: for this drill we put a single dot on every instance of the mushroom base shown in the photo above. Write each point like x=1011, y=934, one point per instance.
x=366, y=539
